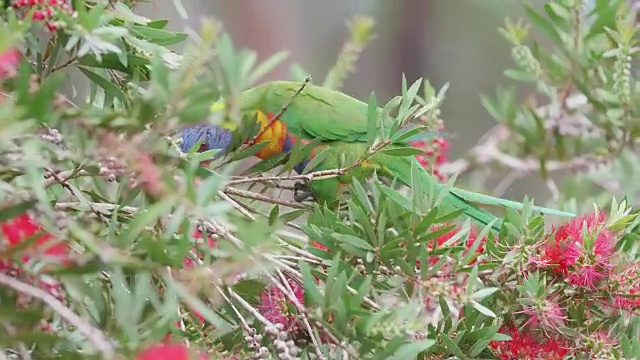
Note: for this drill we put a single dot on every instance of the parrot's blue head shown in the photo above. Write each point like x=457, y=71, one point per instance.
x=212, y=138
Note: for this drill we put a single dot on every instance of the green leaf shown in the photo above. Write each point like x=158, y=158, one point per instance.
x=410, y=351
x=402, y=151
x=291, y=215
x=401, y=137
x=193, y=302
x=361, y=196
x=451, y=346
x=250, y=151
x=299, y=154
x=606, y=19
x=544, y=25
x=273, y=214
x=114, y=61
x=483, y=293
x=396, y=197
x=146, y=218
x=353, y=240
x=483, y=310
x=372, y=119
x=479, y=347
x=311, y=292
x=110, y=90
x=158, y=36
x=316, y=160
x=363, y=291
x=40, y=104
x=158, y=24
x=266, y=165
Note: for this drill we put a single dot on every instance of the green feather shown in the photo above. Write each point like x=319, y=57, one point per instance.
x=315, y=113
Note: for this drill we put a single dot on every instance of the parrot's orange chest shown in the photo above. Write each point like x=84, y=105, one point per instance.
x=276, y=135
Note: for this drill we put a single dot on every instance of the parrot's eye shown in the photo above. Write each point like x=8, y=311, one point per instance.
x=203, y=147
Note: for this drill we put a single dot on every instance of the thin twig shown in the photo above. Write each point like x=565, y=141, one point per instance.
x=316, y=175
x=102, y=207
x=243, y=321
x=487, y=152
x=264, y=198
x=67, y=175
x=236, y=205
x=288, y=291
x=248, y=307
x=97, y=338
x=75, y=193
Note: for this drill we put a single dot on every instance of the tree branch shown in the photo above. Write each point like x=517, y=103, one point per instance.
x=97, y=338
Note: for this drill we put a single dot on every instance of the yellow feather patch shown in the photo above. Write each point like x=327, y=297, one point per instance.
x=219, y=106
x=275, y=135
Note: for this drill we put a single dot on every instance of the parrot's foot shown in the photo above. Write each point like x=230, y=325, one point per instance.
x=302, y=192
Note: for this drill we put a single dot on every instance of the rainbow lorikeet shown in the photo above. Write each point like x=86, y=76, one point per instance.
x=340, y=123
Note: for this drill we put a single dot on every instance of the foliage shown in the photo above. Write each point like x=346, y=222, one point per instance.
x=115, y=245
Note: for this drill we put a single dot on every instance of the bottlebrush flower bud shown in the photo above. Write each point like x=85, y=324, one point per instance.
x=9, y=62
x=169, y=352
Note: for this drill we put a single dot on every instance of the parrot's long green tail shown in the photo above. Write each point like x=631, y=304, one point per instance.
x=494, y=201
x=483, y=217
x=459, y=198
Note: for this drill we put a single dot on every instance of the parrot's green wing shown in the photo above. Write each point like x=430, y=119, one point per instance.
x=315, y=113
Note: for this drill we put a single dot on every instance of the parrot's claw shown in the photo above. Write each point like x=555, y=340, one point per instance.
x=301, y=192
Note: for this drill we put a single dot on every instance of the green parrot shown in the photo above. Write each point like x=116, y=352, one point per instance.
x=340, y=123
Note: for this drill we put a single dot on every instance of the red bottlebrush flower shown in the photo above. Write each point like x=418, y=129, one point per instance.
x=442, y=239
x=24, y=227
x=39, y=15
x=274, y=306
x=318, y=245
x=9, y=62
x=187, y=262
x=150, y=175
x=625, y=286
x=169, y=352
x=44, y=10
x=51, y=27
x=435, y=154
x=567, y=253
x=526, y=346
x=548, y=315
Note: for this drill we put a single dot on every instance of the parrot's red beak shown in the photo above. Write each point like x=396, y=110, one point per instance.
x=203, y=148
